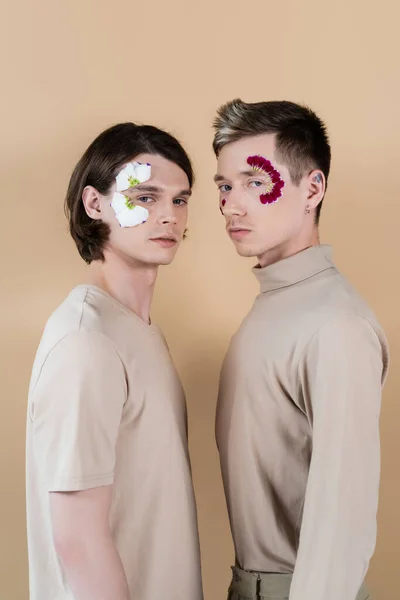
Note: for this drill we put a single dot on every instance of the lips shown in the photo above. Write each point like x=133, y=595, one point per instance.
x=165, y=241
x=235, y=228
x=166, y=237
x=238, y=233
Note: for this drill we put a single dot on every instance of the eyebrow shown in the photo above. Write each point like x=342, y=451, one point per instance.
x=252, y=172
x=248, y=173
x=153, y=189
x=218, y=178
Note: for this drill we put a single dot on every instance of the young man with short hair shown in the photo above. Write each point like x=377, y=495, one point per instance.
x=300, y=389
x=110, y=504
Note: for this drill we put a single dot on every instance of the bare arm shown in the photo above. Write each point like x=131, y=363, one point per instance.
x=84, y=544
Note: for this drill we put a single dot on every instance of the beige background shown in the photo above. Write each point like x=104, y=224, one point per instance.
x=72, y=68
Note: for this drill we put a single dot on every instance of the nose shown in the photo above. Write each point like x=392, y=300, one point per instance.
x=166, y=213
x=168, y=219
x=234, y=205
x=167, y=216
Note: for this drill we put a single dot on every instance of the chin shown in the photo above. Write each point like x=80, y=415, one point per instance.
x=244, y=251
x=164, y=262
x=164, y=257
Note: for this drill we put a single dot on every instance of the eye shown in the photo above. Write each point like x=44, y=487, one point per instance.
x=145, y=199
x=180, y=201
x=256, y=183
x=225, y=188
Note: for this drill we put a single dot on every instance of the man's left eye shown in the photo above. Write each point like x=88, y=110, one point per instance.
x=256, y=183
x=179, y=201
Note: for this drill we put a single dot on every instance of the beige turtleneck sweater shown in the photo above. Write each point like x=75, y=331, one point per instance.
x=298, y=428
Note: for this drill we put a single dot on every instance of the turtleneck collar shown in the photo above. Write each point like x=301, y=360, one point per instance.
x=296, y=268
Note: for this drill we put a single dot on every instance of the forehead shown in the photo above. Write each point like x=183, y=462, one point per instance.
x=164, y=173
x=233, y=156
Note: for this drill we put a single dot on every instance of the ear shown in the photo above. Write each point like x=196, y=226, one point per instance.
x=316, y=186
x=91, y=202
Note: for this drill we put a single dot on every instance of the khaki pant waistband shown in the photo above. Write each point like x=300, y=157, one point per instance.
x=270, y=585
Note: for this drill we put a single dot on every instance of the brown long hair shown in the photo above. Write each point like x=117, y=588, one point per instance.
x=98, y=167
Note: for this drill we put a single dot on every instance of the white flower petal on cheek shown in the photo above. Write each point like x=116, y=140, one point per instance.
x=118, y=202
x=131, y=175
x=128, y=215
x=123, y=177
x=142, y=171
x=131, y=217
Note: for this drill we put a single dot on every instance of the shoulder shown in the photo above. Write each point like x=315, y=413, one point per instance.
x=349, y=337
x=79, y=353
x=343, y=325
x=82, y=312
x=83, y=344
x=339, y=310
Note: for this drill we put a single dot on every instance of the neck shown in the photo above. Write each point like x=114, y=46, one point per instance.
x=289, y=248
x=131, y=283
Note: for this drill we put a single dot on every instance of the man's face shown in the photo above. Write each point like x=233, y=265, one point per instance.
x=165, y=196
x=264, y=212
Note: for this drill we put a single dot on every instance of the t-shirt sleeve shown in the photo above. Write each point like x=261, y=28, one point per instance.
x=341, y=378
x=76, y=410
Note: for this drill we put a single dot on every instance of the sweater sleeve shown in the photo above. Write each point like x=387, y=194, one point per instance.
x=341, y=376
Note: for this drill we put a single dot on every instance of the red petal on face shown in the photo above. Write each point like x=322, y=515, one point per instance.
x=274, y=195
x=275, y=177
x=268, y=198
x=223, y=202
x=254, y=161
x=259, y=162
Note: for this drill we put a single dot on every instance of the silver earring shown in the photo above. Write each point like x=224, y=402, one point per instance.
x=308, y=210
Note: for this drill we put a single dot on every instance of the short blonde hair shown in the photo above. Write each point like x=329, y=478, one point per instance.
x=302, y=142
